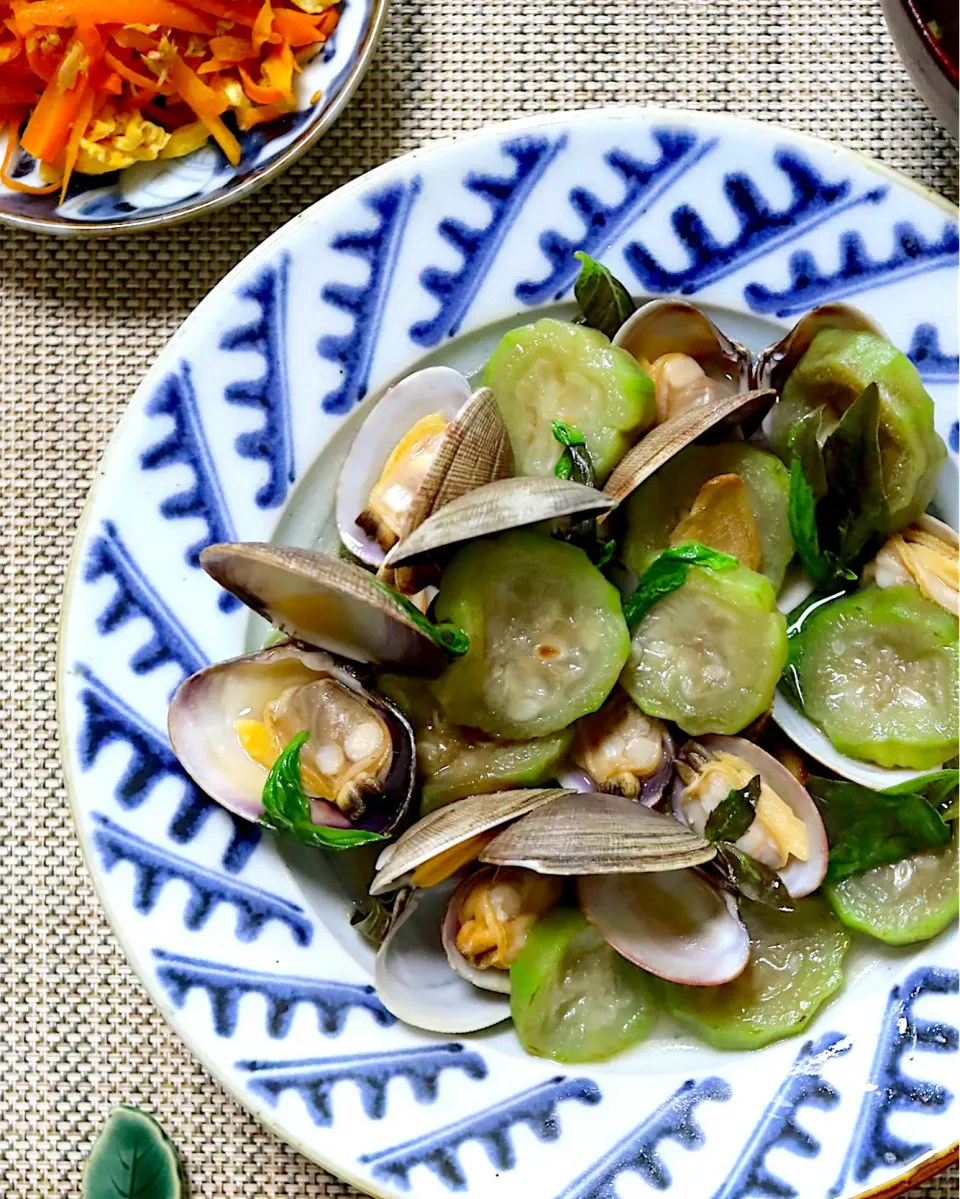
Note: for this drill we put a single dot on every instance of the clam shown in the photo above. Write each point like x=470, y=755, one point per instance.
x=787, y=833
x=391, y=454
x=774, y=364
x=449, y=838
x=229, y=723
x=487, y=919
x=925, y=556
x=675, y=925
x=497, y=507
x=623, y=751
x=675, y=434
x=412, y=973
x=596, y=833
x=324, y=602
x=692, y=363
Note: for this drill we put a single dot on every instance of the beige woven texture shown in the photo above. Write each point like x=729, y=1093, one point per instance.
x=80, y=323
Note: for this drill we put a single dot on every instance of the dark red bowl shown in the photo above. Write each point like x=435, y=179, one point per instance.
x=932, y=63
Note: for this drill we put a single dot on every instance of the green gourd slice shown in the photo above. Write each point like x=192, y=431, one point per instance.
x=658, y=505
x=575, y=999
x=838, y=365
x=547, y=636
x=557, y=371
x=796, y=963
x=877, y=671
x=903, y=902
x=455, y=761
x=708, y=656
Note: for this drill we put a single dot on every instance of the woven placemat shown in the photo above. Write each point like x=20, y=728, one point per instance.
x=79, y=324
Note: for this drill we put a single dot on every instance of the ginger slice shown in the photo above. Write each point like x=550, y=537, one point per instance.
x=721, y=519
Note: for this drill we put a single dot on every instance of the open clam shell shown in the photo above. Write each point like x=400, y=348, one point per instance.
x=496, y=507
x=597, y=833
x=487, y=980
x=413, y=977
x=663, y=327
x=324, y=602
x=451, y=825
x=202, y=725
x=674, y=925
x=436, y=389
x=800, y=878
x=774, y=364
x=667, y=439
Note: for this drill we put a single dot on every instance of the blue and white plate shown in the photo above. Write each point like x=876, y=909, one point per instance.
x=244, y=943
x=152, y=194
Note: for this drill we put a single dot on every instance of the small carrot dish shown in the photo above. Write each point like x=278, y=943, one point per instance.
x=97, y=85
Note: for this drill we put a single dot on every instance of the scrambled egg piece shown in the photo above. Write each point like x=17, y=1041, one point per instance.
x=119, y=139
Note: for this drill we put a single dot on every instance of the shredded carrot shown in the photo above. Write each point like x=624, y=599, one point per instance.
x=95, y=85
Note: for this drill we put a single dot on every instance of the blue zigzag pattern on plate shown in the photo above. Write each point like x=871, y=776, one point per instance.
x=108, y=719
x=226, y=985
x=186, y=444
x=762, y=227
x=378, y=248
x=155, y=867
x=266, y=336
x=314, y=1079
x=891, y=1090
x=925, y=354
x=643, y=184
x=913, y=254
x=778, y=1127
x=491, y=1127
x=954, y=438
x=136, y=596
x=505, y=195
x=672, y=1120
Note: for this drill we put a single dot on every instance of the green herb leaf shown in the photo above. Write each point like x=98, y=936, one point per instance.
x=454, y=640
x=873, y=828
x=667, y=572
x=372, y=920
x=286, y=808
x=603, y=300
x=732, y=816
x=837, y=506
x=133, y=1158
x=752, y=878
x=940, y=789
x=575, y=462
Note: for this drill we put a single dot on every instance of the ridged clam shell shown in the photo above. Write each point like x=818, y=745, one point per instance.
x=324, y=602
x=597, y=833
x=496, y=507
x=475, y=450
x=667, y=439
x=775, y=363
x=450, y=825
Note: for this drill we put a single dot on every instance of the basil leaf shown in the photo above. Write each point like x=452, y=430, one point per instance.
x=371, y=921
x=940, y=789
x=133, y=1158
x=752, y=878
x=575, y=462
x=837, y=504
x=286, y=808
x=603, y=300
x=454, y=640
x=667, y=572
x=732, y=816
x=873, y=828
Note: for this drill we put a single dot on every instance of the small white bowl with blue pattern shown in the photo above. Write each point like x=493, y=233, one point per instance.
x=151, y=195
x=245, y=944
